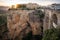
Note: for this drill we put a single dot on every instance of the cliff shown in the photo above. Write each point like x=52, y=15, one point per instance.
x=21, y=22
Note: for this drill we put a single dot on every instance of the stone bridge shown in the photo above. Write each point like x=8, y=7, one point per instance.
x=51, y=19
x=20, y=22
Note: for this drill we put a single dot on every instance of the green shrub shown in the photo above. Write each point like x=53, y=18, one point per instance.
x=3, y=19
x=40, y=14
x=52, y=34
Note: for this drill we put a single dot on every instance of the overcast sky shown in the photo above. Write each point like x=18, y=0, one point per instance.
x=40, y=2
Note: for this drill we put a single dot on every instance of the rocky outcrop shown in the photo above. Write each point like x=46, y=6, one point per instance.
x=21, y=22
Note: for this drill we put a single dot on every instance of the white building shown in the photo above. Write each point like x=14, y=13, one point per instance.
x=55, y=6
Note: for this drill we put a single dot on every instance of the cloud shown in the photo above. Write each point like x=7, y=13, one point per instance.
x=42, y=2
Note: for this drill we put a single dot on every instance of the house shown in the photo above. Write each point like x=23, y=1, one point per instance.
x=55, y=6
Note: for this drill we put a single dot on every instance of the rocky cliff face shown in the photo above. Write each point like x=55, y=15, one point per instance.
x=21, y=22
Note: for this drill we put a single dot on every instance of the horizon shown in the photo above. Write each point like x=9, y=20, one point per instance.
x=40, y=2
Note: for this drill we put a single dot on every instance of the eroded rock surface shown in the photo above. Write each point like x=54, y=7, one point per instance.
x=21, y=22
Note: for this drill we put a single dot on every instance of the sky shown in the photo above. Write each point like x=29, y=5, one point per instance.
x=40, y=2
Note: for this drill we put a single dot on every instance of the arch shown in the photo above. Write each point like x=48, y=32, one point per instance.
x=54, y=20
x=54, y=16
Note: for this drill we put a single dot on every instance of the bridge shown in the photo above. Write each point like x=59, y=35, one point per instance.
x=17, y=21
x=51, y=19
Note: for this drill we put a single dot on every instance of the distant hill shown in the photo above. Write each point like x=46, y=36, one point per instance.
x=3, y=9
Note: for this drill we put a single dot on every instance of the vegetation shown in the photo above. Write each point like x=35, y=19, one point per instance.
x=40, y=14
x=3, y=19
x=3, y=26
x=52, y=34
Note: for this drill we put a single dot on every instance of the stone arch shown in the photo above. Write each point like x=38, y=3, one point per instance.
x=54, y=20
